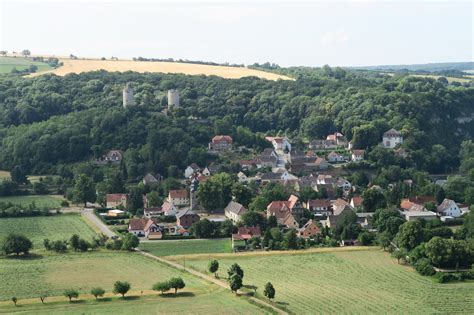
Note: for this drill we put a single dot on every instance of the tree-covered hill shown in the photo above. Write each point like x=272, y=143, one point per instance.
x=48, y=121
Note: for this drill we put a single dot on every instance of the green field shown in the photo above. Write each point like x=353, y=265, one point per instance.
x=53, y=227
x=7, y=64
x=359, y=282
x=186, y=247
x=40, y=200
x=27, y=278
x=4, y=175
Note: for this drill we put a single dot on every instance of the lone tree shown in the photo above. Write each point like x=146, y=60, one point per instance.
x=213, y=267
x=162, y=287
x=96, y=292
x=130, y=241
x=269, y=290
x=235, y=282
x=25, y=52
x=74, y=242
x=18, y=175
x=121, y=287
x=14, y=300
x=16, y=244
x=43, y=297
x=235, y=269
x=176, y=283
x=84, y=190
x=71, y=293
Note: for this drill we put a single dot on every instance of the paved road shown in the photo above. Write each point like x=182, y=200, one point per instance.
x=218, y=282
x=89, y=213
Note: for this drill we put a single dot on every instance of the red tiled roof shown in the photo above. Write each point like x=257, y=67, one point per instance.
x=222, y=138
x=357, y=201
x=115, y=197
x=319, y=203
x=179, y=193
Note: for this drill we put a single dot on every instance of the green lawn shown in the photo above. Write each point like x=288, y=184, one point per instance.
x=52, y=227
x=347, y=282
x=40, y=200
x=186, y=247
x=28, y=278
x=8, y=63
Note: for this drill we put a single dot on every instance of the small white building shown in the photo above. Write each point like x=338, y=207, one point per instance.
x=449, y=208
x=334, y=157
x=415, y=215
x=392, y=138
x=179, y=197
x=357, y=155
x=280, y=143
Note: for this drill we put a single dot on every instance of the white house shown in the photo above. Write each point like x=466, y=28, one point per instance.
x=392, y=138
x=142, y=227
x=191, y=170
x=179, y=197
x=449, y=208
x=242, y=177
x=357, y=155
x=234, y=211
x=169, y=208
x=280, y=143
x=415, y=215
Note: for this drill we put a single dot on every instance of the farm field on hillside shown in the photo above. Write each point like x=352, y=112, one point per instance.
x=39, y=200
x=186, y=247
x=27, y=278
x=85, y=65
x=52, y=227
x=347, y=282
x=4, y=175
x=7, y=64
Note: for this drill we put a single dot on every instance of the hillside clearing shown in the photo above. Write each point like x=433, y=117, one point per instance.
x=85, y=65
x=347, y=282
x=186, y=247
x=54, y=227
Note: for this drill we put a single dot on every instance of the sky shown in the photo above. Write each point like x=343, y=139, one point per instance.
x=289, y=33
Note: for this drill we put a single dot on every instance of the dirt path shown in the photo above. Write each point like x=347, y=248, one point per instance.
x=218, y=282
x=103, y=228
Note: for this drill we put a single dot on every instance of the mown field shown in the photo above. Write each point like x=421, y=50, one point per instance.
x=52, y=227
x=186, y=247
x=7, y=64
x=355, y=282
x=39, y=200
x=85, y=65
x=28, y=278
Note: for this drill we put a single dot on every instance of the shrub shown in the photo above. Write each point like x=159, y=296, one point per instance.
x=162, y=287
x=121, y=287
x=423, y=267
x=96, y=292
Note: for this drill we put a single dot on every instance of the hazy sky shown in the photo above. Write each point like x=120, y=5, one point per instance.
x=312, y=33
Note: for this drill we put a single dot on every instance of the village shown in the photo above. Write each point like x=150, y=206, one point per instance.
x=320, y=167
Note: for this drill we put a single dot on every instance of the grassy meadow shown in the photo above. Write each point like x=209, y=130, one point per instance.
x=7, y=64
x=28, y=278
x=85, y=65
x=187, y=247
x=52, y=227
x=39, y=200
x=368, y=281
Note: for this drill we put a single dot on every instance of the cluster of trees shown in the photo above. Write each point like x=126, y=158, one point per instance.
x=80, y=116
x=176, y=283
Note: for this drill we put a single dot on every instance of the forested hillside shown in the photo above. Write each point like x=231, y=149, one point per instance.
x=49, y=121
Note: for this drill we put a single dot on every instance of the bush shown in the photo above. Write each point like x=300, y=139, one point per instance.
x=16, y=244
x=423, y=267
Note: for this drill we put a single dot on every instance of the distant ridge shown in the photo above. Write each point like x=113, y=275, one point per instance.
x=430, y=67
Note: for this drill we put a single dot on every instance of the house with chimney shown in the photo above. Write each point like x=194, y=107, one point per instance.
x=144, y=228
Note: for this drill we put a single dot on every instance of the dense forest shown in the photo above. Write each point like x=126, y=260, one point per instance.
x=49, y=121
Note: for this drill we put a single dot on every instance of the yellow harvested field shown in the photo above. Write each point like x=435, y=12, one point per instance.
x=85, y=65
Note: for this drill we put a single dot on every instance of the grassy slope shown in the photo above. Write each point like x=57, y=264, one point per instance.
x=52, y=227
x=82, y=271
x=40, y=200
x=348, y=282
x=168, y=248
x=8, y=63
